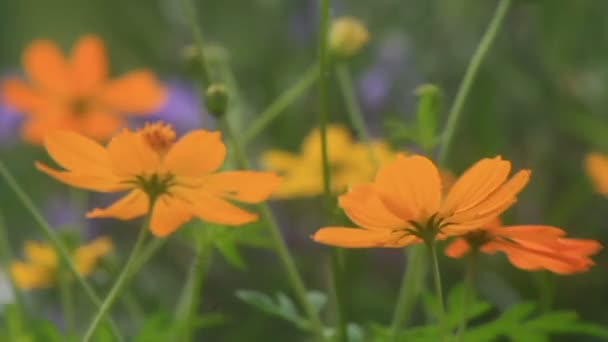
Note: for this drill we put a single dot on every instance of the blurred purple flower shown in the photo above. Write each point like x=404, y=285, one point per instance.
x=10, y=121
x=182, y=109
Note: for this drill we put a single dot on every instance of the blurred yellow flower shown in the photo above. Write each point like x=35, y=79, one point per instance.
x=347, y=36
x=597, y=169
x=41, y=265
x=351, y=163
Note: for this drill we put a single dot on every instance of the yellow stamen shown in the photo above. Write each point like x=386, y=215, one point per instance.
x=159, y=136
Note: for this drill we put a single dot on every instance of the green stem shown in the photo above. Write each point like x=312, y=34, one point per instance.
x=67, y=303
x=354, y=110
x=277, y=239
x=121, y=282
x=190, y=13
x=324, y=70
x=411, y=286
x=191, y=294
x=58, y=246
x=469, y=78
x=6, y=257
x=148, y=252
x=468, y=296
x=281, y=104
x=438, y=291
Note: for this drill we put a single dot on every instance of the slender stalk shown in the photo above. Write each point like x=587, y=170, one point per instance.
x=121, y=282
x=345, y=81
x=277, y=239
x=148, y=252
x=58, y=246
x=190, y=13
x=469, y=78
x=411, y=286
x=468, y=296
x=438, y=291
x=6, y=257
x=279, y=105
x=67, y=303
x=191, y=294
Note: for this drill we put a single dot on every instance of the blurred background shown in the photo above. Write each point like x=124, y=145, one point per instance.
x=540, y=101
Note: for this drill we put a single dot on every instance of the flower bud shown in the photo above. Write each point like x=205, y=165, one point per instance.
x=216, y=99
x=347, y=36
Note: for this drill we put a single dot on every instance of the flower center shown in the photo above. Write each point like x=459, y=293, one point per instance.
x=159, y=136
x=80, y=106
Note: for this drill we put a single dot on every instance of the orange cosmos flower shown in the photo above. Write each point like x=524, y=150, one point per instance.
x=178, y=178
x=42, y=264
x=529, y=247
x=404, y=204
x=74, y=93
x=597, y=169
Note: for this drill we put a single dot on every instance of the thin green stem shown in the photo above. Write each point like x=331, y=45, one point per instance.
x=121, y=282
x=191, y=294
x=345, y=81
x=411, y=287
x=279, y=105
x=58, y=246
x=67, y=303
x=277, y=239
x=324, y=97
x=6, y=257
x=469, y=78
x=148, y=252
x=468, y=295
x=438, y=291
x=190, y=12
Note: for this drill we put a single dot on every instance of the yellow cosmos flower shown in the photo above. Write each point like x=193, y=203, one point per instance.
x=176, y=177
x=597, y=169
x=404, y=204
x=42, y=263
x=350, y=162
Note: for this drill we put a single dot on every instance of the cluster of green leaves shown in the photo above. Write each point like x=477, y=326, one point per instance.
x=522, y=322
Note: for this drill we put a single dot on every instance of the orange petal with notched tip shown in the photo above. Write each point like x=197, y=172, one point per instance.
x=75, y=152
x=137, y=92
x=168, y=214
x=357, y=238
x=89, y=64
x=364, y=207
x=134, y=204
x=213, y=209
x=46, y=66
x=21, y=96
x=495, y=204
x=243, y=186
x=131, y=156
x=84, y=181
x=195, y=154
x=476, y=184
x=410, y=187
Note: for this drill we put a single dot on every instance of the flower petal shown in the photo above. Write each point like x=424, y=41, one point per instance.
x=457, y=248
x=87, y=256
x=138, y=92
x=169, y=214
x=30, y=276
x=40, y=254
x=213, y=209
x=597, y=168
x=280, y=161
x=364, y=207
x=101, y=125
x=410, y=187
x=77, y=153
x=46, y=66
x=131, y=156
x=89, y=64
x=84, y=181
x=244, y=186
x=21, y=96
x=477, y=183
x=360, y=238
x=195, y=154
x=133, y=205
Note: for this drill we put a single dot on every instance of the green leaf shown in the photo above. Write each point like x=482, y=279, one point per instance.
x=317, y=299
x=229, y=250
x=283, y=307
